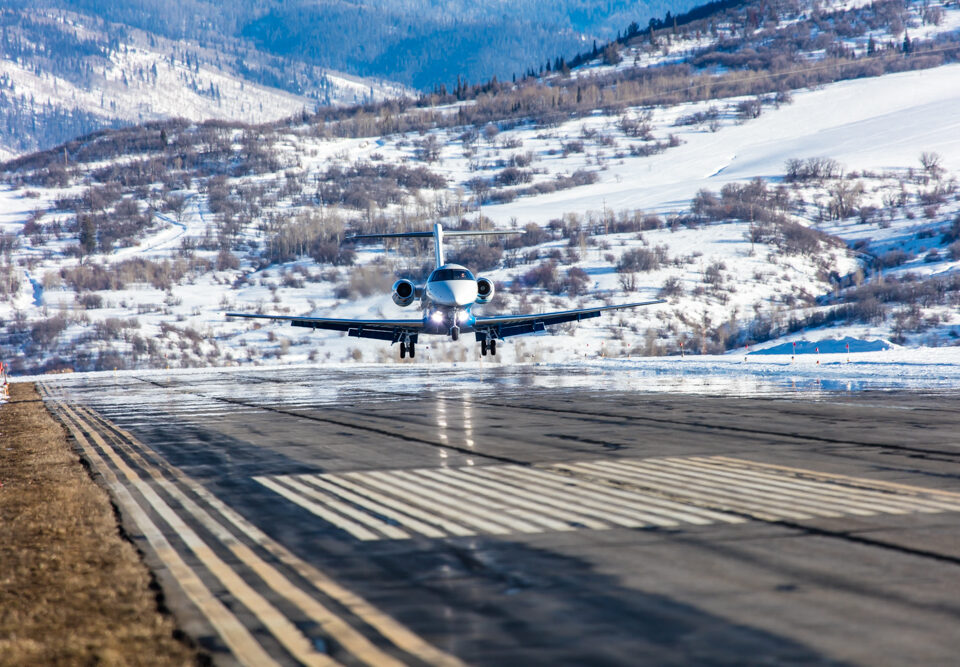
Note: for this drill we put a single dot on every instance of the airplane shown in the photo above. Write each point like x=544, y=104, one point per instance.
x=446, y=300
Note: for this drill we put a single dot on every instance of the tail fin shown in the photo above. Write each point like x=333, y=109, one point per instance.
x=438, y=234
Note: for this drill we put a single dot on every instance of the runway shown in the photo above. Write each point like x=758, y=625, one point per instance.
x=375, y=516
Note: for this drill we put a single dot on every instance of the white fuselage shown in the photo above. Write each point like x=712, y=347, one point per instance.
x=450, y=286
x=449, y=293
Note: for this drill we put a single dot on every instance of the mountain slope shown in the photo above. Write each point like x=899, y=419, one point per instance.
x=420, y=43
x=63, y=75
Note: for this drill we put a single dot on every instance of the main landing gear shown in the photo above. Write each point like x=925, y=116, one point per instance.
x=491, y=346
x=408, y=348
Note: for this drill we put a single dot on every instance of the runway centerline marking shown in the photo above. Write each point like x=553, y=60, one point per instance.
x=591, y=495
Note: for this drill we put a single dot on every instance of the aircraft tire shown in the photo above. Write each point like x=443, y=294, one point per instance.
x=413, y=350
x=493, y=347
x=455, y=333
x=483, y=347
x=403, y=350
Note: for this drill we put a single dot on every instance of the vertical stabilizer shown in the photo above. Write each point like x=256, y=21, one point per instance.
x=438, y=243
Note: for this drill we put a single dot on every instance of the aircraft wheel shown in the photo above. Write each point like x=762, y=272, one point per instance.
x=403, y=350
x=493, y=346
x=455, y=333
x=483, y=347
x=413, y=350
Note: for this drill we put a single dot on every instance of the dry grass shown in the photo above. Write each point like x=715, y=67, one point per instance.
x=73, y=591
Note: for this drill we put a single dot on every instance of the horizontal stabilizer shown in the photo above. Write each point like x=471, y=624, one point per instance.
x=437, y=234
x=428, y=235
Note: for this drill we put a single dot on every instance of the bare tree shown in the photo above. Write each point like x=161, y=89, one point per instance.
x=844, y=198
x=932, y=162
x=429, y=149
x=176, y=204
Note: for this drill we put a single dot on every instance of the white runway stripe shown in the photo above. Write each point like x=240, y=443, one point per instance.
x=321, y=511
x=863, y=504
x=721, y=497
x=879, y=493
x=738, y=490
x=338, y=486
x=502, y=513
x=601, y=494
x=511, y=498
x=237, y=637
x=527, y=521
x=451, y=507
x=853, y=500
x=369, y=519
x=604, y=500
x=407, y=507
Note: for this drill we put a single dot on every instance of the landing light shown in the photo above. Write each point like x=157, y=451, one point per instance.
x=462, y=316
x=437, y=317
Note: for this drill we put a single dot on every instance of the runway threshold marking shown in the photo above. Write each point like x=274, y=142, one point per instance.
x=241, y=643
x=593, y=495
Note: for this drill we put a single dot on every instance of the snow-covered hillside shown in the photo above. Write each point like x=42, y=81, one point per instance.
x=145, y=77
x=819, y=213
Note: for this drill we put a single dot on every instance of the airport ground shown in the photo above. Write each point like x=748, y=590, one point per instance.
x=73, y=591
x=375, y=517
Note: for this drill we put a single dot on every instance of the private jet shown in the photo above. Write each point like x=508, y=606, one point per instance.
x=446, y=300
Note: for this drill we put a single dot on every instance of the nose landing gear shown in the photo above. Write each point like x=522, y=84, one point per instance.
x=408, y=347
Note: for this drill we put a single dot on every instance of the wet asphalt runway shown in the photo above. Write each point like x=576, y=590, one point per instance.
x=526, y=517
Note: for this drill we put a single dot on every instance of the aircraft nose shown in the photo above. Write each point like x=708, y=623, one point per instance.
x=453, y=292
x=464, y=292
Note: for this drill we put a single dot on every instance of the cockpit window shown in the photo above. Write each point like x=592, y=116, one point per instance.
x=451, y=274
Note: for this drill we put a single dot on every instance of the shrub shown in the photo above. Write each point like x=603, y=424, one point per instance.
x=478, y=256
x=671, y=287
x=892, y=259
x=545, y=276
x=44, y=332
x=90, y=300
x=814, y=168
x=577, y=281
x=639, y=259
x=513, y=176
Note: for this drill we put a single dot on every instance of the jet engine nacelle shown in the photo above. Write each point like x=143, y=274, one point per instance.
x=484, y=290
x=404, y=292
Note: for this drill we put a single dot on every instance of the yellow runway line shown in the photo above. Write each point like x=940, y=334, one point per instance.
x=243, y=646
x=388, y=627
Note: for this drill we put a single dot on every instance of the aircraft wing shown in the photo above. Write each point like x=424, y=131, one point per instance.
x=514, y=325
x=392, y=330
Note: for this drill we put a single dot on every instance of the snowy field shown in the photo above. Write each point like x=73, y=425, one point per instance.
x=877, y=124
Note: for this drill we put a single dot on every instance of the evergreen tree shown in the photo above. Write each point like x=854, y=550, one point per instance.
x=88, y=235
